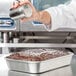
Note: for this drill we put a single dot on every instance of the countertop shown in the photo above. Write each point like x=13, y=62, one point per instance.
x=64, y=71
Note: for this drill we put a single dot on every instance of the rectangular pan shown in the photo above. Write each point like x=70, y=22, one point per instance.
x=38, y=66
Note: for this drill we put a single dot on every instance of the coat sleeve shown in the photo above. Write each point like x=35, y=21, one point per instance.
x=63, y=16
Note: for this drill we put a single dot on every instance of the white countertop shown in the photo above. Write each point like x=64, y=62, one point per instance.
x=65, y=71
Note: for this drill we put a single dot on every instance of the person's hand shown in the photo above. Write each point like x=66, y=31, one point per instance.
x=40, y=16
x=35, y=14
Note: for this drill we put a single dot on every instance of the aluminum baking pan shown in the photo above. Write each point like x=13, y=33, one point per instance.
x=38, y=66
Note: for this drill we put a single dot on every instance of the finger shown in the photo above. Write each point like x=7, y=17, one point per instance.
x=25, y=19
x=15, y=4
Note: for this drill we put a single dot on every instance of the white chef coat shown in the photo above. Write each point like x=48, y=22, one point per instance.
x=63, y=16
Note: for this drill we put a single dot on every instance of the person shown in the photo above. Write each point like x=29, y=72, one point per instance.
x=61, y=16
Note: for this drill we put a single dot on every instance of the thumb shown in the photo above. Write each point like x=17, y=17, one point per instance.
x=24, y=2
